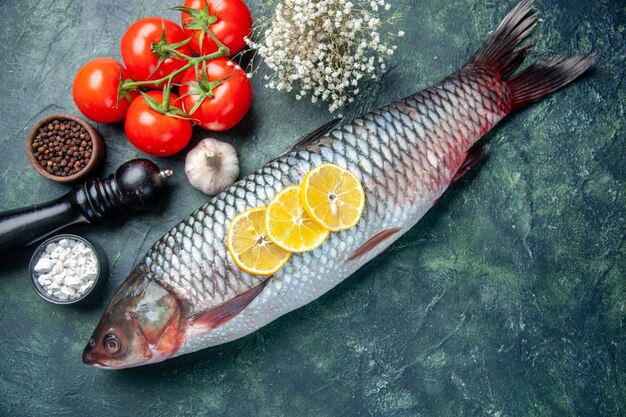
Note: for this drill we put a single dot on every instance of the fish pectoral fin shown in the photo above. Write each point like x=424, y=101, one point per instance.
x=218, y=315
x=372, y=242
x=312, y=136
x=474, y=155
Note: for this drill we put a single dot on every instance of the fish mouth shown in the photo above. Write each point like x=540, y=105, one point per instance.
x=89, y=359
x=95, y=363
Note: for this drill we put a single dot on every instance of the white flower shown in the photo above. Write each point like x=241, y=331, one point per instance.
x=322, y=48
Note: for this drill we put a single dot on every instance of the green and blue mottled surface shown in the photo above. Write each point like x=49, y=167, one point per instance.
x=507, y=299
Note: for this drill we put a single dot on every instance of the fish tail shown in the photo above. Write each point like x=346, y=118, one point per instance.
x=503, y=53
x=544, y=77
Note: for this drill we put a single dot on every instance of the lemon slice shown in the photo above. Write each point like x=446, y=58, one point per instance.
x=288, y=224
x=250, y=246
x=333, y=197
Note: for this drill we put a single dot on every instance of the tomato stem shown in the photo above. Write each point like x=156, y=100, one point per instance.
x=180, y=54
x=222, y=50
x=166, y=95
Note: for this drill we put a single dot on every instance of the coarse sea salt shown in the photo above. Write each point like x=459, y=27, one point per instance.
x=66, y=269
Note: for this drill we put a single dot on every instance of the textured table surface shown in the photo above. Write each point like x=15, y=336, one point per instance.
x=508, y=299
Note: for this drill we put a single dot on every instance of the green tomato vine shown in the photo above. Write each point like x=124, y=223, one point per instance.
x=201, y=20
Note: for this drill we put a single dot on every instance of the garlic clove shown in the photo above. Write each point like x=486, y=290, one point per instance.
x=212, y=166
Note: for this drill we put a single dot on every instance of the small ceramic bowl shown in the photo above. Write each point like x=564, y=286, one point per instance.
x=97, y=154
x=90, y=293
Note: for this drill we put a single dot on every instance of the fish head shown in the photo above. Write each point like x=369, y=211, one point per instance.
x=141, y=325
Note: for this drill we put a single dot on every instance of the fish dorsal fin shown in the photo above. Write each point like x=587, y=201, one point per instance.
x=314, y=135
x=220, y=314
x=474, y=155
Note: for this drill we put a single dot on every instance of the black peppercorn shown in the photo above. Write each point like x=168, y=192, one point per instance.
x=62, y=147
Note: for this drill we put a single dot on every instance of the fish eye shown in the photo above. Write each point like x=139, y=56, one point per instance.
x=112, y=343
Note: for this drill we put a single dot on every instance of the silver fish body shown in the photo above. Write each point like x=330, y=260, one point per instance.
x=187, y=294
x=405, y=155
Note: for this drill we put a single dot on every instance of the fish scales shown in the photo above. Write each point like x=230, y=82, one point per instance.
x=187, y=293
x=402, y=154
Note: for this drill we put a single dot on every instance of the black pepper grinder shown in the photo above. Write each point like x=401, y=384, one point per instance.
x=136, y=184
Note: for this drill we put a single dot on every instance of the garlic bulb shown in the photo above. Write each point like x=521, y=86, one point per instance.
x=212, y=166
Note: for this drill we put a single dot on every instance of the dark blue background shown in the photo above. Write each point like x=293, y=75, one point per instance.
x=508, y=299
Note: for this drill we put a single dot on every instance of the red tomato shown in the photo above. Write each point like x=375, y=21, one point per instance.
x=234, y=21
x=137, y=49
x=224, y=105
x=155, y=133
x=96, y=91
